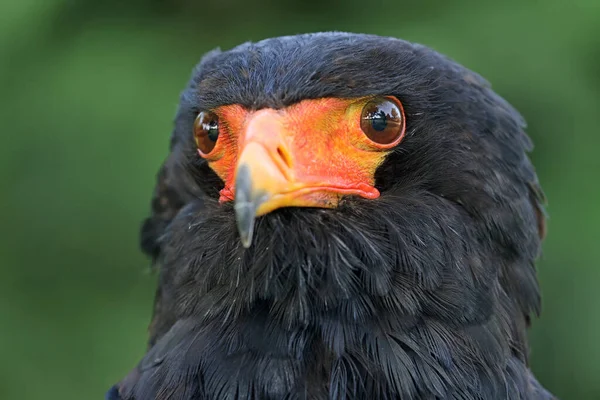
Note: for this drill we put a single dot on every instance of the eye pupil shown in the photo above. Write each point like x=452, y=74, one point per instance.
x=382, y=120
x=379, y=121
x=206, y=131
x=213, y=131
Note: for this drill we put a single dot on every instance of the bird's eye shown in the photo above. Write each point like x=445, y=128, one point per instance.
x=206, y=131
x=382, y=120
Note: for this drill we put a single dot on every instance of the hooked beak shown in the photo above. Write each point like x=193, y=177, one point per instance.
x=264, y=176
x=276, y=168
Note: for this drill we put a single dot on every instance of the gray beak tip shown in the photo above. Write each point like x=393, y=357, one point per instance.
x=245, y=213
x=246, y=241
x=245, y=206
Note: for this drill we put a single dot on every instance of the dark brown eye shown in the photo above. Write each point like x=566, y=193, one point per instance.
x=206, y=131
x=382, y=120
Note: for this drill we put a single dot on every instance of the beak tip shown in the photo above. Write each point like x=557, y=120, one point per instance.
x=246, y=241
x=245, y=206
x=245, y=224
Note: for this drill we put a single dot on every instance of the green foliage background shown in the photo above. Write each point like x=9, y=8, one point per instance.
x=88, y=90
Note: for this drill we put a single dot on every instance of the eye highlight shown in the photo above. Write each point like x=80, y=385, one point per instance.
x=206, y=131
x=382, y=120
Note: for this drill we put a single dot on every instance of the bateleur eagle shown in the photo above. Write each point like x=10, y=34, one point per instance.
x=341, y=216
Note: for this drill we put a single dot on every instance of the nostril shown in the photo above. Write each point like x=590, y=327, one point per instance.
x=285, y=156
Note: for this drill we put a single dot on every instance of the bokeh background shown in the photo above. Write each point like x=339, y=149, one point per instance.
x=88, y=90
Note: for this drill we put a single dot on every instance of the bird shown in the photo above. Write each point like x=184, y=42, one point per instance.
x=342, y=216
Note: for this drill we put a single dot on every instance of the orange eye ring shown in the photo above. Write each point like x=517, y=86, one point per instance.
x=382, y=121
x=206, y=132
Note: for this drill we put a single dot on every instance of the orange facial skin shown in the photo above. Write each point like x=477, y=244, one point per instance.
x=309, y=154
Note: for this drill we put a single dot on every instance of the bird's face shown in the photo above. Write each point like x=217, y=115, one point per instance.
x=309, y=154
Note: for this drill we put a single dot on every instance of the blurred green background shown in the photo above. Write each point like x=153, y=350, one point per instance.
x=88, y=90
